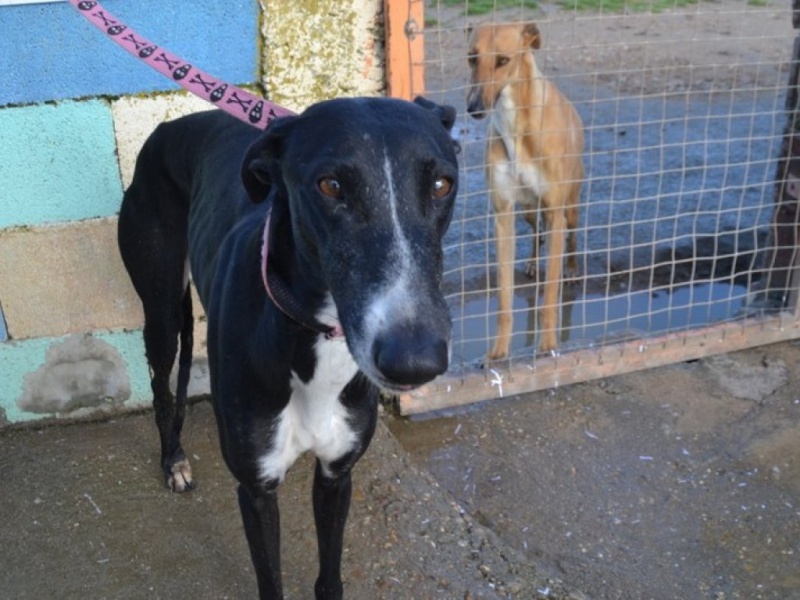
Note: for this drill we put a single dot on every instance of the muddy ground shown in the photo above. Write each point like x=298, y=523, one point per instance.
x=681, y=482
x=675, y=483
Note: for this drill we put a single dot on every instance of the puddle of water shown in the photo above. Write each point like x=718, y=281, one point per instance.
x=594, y=319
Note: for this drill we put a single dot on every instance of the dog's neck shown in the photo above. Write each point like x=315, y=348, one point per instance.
x=283, y=297
x=527, y=88
x=519, y=107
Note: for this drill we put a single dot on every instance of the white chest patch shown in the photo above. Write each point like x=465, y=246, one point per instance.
x=527, y=182
x=314, y=419
x=517, y=171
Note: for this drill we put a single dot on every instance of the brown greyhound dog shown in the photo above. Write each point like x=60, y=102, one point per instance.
x=533, y=158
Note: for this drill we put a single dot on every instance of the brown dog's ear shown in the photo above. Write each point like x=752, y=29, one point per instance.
x=446, y=114
x=531, y=36
x=260, y=160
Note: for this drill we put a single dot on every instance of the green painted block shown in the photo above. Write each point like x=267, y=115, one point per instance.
x=58, y=163
x=72, y=376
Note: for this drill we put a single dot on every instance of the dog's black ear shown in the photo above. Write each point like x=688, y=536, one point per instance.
x=261, y=158
x=531, y=35
x=446, y=114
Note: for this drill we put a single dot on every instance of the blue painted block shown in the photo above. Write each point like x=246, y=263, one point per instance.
x=50, y=52
x=57, y=163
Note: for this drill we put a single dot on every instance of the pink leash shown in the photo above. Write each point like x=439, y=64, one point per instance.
x=240, y=103
x=235, y=101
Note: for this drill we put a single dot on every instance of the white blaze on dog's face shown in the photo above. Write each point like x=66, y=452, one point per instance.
x=369, y=210
x=392, y=302
x=397, y=324
x=493, y=55
x=398, y=305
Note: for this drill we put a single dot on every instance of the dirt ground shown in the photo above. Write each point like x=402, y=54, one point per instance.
x=676, y=483
x=681, y=482
x=85, y=514
x=717, y=45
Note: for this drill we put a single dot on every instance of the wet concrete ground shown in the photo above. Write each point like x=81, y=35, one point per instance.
x=84, y=514
x=677, y=483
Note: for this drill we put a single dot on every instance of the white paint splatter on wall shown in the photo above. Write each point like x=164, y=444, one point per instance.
x=80, y=372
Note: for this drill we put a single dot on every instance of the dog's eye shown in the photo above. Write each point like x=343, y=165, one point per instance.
x=442, y=187
x=330, y=187
x=472, y=60
x=501, y=61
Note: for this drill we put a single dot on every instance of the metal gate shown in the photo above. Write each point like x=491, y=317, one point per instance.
x=689, y=206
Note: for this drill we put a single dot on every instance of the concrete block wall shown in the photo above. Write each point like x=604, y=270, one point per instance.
x=74, y=111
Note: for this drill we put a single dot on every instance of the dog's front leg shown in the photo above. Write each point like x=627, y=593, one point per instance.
x=573, y=218
x=331, y=505
x=262, y=527
x=532, y=217
x=556, y=232
x=506, y=251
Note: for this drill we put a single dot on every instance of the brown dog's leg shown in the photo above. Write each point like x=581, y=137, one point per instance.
x=506, y=250
x=573, y=217
x=532, y=217
x=555, y=225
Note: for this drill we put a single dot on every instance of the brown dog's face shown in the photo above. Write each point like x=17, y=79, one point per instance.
x=494, y=52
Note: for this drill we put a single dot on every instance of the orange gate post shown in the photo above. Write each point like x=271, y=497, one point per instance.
x=405, y=48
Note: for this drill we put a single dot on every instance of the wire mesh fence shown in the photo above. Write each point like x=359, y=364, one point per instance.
x=682, y=249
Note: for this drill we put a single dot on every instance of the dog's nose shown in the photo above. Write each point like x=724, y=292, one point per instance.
x=475, y=106
x=410, y=356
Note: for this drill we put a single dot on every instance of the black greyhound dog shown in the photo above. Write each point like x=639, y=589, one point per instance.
x=316, y=250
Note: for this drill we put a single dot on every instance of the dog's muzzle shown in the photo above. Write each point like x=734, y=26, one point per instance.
x=407, y=357
x=475, y=106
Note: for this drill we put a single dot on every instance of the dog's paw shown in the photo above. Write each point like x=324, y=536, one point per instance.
x=179, y=479
x=498, y=351
x=549, y=344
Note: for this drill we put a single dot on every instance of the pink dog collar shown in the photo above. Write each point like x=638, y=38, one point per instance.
x=283, y=298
